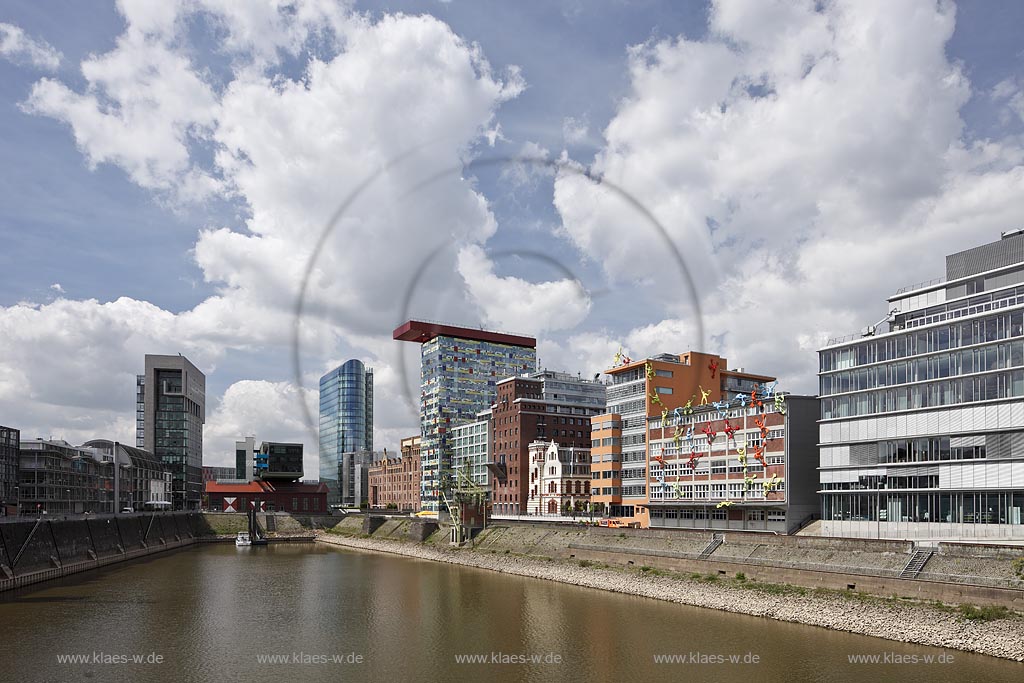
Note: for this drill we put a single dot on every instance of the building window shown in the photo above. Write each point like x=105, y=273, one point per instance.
x=664, y=390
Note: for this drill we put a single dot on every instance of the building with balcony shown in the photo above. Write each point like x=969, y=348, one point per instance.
x=539, y=406
x=143, y=481
x=471, y=449
x=394, y=483
x=58, y=478
x=354, y=478
x=644, y=389
x=459, y=370
x=346, y=419
x=10, y=443
x=170, y=413
x=922, y=416
x=559, y=479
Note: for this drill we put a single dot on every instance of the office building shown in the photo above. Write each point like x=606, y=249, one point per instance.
x=10, y=443
x=211, y=473
x=748, y=465
x=170, y=413
x=559, y=480
x=459, y=368
x=471, y=448
x=346, y=419
x=279, y=461
x=641, y=390
x=354, y=478
x=922, y=414
x=245, y=459
x=394, y=483
x=142, y=482
x=537, y=406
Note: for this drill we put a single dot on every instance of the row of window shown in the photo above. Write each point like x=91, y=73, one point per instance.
x=956, y=508
x=965, y=362
x=942, y=393
x=967, y=333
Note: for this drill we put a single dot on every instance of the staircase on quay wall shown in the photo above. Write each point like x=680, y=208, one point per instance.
x=716, y=540
x=916, y=563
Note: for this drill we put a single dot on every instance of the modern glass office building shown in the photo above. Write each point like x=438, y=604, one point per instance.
x=459, y=368
x=922, y=425
x=346, y=419
x=170, y=413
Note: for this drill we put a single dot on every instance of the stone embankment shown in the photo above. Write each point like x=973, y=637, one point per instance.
x=897, y=620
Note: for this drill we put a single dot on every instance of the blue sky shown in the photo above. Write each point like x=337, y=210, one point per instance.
x=174, y=188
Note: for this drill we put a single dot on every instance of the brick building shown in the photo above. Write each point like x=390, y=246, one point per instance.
x=541, y=406
x=396, y=481
x=268, y=496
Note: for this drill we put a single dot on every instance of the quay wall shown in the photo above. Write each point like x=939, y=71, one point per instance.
x=42, y=548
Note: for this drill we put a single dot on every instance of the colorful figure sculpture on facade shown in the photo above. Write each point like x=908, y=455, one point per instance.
x=713, y=367
x=703, y=395
x=722, y=407
x=711, y=434
x=780, y=403
x=730, y=431
x=724, y=504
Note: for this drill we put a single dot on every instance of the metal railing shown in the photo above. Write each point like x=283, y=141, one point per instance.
x=919, y=285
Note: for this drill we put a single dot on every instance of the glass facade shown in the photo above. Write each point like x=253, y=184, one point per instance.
x=346, y=419
x=10, y=441
x=170, y=412
x=923, y=425
x=457, y=381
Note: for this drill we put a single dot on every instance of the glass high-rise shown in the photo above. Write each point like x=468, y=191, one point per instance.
x=170, y=413
x=346, y=419
x=459, y=369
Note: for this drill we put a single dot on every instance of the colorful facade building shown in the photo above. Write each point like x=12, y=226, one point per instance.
x=641, y=390
x=559, y=479
x=922, y=421
x=750, y=464
x=540, y=406
x=459, y=369
x=394, y=483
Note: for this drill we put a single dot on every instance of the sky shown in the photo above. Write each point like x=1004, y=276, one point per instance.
x=749, y=178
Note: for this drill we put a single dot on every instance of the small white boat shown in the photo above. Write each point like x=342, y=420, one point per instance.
x=243, y=538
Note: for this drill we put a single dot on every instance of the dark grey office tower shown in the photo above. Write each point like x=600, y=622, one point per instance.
x=10, y=442
x=171, y=411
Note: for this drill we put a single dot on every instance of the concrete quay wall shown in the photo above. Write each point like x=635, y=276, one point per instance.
x=42, y=548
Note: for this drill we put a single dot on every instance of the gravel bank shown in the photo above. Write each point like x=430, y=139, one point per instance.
x=908, y=623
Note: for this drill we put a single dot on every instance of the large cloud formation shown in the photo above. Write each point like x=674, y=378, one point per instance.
x=809, y=158
x=288, y=147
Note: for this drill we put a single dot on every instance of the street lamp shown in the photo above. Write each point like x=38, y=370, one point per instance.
x=69, y=501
